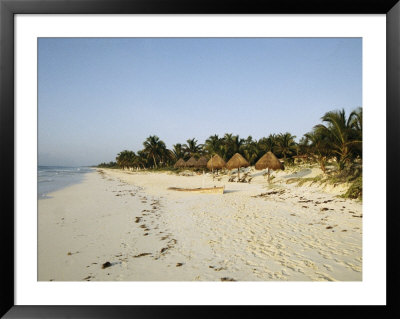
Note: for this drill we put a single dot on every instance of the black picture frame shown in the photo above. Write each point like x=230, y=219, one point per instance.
x=8, y=8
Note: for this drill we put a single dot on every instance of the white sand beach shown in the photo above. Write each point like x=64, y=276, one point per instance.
x=146, y=232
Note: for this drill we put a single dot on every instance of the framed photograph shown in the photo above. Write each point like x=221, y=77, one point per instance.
x=173, y=154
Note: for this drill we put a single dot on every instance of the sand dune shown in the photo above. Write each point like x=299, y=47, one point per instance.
x=141, y=231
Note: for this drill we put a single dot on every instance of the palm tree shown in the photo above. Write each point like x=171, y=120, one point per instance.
x=168, y=157
x=267, y=144
x=192, y=148
x=356, y=125
x=303, y=146
x=340, y=133
x=285, y=145
x=238, y=143
x=155, y=148
x=250, y=150
x=142, y=159
x=231, y=145
x=126, y=159
x=227, y=141
x=319, y=146
x=355, y=118
x=213, y=145
x=119, y=159
x=178, y=151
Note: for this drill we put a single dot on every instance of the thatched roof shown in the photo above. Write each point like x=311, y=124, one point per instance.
x=191, y=162
x=216, y=162
x=180, y=163
x=202, y=162
x=237, y=161
x=269, y=160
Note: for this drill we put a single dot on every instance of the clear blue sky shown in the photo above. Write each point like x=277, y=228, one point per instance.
x=100, y=96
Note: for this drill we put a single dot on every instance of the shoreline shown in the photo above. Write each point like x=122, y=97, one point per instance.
x=149, y=233
x=62, y=183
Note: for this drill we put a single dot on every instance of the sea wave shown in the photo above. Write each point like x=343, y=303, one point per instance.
x=52, y=178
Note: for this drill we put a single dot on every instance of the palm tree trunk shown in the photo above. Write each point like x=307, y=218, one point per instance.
x=238, y=174
x=154, y=159
x=322, y=164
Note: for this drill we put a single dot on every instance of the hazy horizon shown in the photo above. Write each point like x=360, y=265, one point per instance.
x=99, y=96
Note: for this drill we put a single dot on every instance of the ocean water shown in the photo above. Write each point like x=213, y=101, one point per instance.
x=52, y=178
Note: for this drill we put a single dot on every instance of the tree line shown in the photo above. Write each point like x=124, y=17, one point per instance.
x=337, y=138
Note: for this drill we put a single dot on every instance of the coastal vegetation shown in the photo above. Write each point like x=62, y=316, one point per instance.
x=335, y=145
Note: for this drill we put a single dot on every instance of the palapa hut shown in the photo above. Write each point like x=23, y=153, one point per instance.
x=270, y=161
x=180, y=163
x=202, y=162
x=237, y=161
x=191, y=162
x=215, y=162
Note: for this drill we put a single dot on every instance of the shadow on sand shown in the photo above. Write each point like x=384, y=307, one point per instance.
x=230, y=191
x=301, y=173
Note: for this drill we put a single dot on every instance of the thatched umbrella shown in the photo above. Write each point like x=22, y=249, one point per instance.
x=191, y=162
x=270, y=161
x=237, y=161
x=215, y=162
x=180, y=163
x=202, y=162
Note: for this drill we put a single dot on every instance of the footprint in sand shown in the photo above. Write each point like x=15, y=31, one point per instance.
x=325, y=277
x=310, y=264
x=227, y=279
x=327, y=267
x=141, y=255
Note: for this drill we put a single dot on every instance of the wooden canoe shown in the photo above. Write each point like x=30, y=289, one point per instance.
x=209, y=190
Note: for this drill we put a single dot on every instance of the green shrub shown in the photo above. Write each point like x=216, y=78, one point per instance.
x=355, y=189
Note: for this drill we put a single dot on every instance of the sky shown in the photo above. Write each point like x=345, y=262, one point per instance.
x=99, y=96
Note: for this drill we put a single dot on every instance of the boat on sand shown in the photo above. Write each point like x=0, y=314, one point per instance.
x=208, y=190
